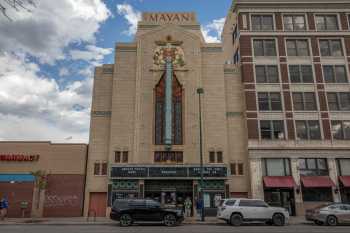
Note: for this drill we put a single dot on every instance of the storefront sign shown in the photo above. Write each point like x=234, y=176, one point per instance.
x=129, y=172
x=169, y=17
x=167, y=172
x=19, y=157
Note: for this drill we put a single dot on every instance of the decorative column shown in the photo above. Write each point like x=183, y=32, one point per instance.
x=168, y=101
x=256, y=178
x=333, y=174
x=298, y=196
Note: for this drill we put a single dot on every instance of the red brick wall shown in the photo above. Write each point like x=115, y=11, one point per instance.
x=64, y=196
x=250, y=101
x=245, y=46
x=253, y=129
x=347, y=44
x=311, y=20
x=326, y=129
x=344, y=21
x=279, y=22
x=16, y=193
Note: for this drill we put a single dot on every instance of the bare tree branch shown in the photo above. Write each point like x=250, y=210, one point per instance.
x=17, y=5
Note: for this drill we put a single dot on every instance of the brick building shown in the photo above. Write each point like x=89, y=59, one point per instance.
x=61, y=165
x=294, y=59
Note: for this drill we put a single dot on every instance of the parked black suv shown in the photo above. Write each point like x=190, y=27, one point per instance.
x=127, y=211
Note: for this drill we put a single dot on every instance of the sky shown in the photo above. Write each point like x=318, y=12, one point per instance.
x=48, y=55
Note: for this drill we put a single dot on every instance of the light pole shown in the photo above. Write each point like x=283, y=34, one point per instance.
x=200, y=91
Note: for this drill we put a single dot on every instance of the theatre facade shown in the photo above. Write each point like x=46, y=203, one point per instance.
x=145, y=127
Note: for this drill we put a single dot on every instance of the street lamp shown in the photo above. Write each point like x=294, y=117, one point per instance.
x=200, y=91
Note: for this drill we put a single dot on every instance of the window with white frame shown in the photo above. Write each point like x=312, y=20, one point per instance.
x=264, y=47
x=338, y=101
x=276, y=167
x=327, y=22
x=308, y=129
x=269, y=101
x=262, y=23
x=331, y=47
x=301, y=74
x=298, y=47
x=266, y=73
x=272, y=129
x=341, y=130
x=335, y=74
x=294, y=23
x=304, y=101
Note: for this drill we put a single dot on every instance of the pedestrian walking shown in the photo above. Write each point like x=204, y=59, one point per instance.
x=4, y=205
x=199, y=208
x=188, y=207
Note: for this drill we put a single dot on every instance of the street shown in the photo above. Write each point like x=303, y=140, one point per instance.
x=220, y=228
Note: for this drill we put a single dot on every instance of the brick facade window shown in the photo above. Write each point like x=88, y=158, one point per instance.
x=308, y=130
x=338, y=101
x=219, y=157
x=301, y=74
x=269, y=101
x=298, y=47
x=262, y=23
x=266, y=74
x=117, y=156
x=272, y=130
x=294, y=23
x=335, y=74
x=327, y=22
x=341, y=130
x=125, y=156
x=237, y=169
x=264, y=47
x=304, y=101
x=330, y=48
x=121, y=156
x=100, y=168
x=216, y=157
x=276, y=167
x=211, y=157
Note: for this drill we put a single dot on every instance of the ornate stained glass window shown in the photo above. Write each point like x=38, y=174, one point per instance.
x=177, y=138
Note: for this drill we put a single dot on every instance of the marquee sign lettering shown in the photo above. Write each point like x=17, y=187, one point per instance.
x=169, y=17
x=19, y=158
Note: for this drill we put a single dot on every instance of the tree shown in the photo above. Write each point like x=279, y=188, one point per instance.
x=40, y=184
x=17, y=5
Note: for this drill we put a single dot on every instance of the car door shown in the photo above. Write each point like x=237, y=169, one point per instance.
x=345, y=215
x=248, y=209
x=154, y=212
x=138, y=210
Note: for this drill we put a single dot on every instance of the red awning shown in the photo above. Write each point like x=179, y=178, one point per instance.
x=279, y=182
x=317, y=181
x=345, y=180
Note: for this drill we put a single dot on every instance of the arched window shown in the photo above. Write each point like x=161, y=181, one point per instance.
x=160, y=113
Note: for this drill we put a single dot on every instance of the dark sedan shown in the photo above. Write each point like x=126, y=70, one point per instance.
x=144, y=210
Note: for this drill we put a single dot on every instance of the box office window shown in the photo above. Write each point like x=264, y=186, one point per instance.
x=270, y=129
x=308, y=130
x=276, y=167
x=262, y=23
x=294, y=23
x=331, y=48
x=341, y=130
x=313, y=167
x=265, y=47
x=301, y=74
x=304, y=101
x=317, y=194
x=266, y=74
x=168, y=156
x=269, y=101
x=327, y=22
x=343, y=167
x=335, y=74
x=298, y=47
x=338, y=101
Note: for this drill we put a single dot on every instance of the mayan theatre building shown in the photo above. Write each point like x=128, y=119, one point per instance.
x=145, y=130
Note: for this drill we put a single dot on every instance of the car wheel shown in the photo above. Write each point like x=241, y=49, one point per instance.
x=332, y=220
x=125, y=220
x=278, y=220
x=169, y=220
x=318, y=222
x=236, y=220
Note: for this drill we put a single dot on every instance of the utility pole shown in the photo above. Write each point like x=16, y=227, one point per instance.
x=200, y=91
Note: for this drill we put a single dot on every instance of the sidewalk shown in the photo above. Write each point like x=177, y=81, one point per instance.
x=107, y=221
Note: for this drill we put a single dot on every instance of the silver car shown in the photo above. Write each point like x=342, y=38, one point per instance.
x=330, y=214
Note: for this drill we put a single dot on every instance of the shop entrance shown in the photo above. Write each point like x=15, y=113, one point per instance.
x=281, y=198
x=169, y=193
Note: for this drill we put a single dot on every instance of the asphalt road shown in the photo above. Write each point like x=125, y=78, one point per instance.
x=161, y=229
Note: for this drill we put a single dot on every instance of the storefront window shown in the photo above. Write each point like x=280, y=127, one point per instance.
x=317, y=194
x=276, y=167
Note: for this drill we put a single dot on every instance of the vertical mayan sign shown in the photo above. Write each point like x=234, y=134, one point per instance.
x=169, y=55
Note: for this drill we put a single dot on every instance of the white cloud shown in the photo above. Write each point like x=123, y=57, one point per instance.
x=212, y=31
x=63, y=72
x=91, y=53
x=52, y=26
x=34, y=107
x=131, y=15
